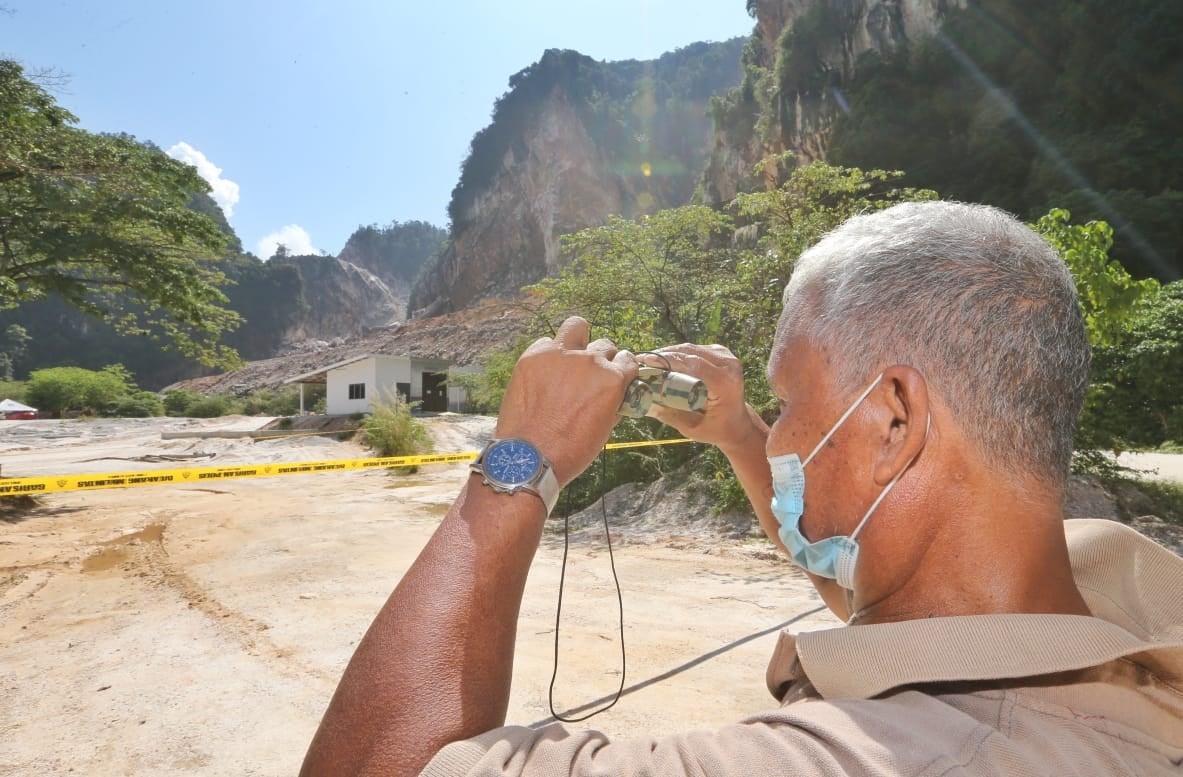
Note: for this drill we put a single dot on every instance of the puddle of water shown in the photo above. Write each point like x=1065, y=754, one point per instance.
x=115, y=552
x=105, y=559
x=151, y=533
x=406, y=482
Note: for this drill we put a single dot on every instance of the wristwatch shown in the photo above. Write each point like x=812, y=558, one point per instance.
x=513, y=465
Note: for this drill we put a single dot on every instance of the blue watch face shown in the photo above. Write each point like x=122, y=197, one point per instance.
x=512, y=462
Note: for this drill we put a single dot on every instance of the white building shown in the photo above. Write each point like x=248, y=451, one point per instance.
x=355, y=385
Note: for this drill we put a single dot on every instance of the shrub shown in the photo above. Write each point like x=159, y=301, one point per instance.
x=62, y=389
x=178, y=401
x=392, y=431
x=142, y=404
x=214, y=406
x=283, y=401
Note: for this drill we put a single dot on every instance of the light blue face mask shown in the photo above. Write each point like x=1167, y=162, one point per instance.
x=833, y=557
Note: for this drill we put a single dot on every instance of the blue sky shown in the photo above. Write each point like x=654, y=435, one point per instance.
x=322, y=116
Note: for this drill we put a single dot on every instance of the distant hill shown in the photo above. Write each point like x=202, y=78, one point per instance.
x=284, y=301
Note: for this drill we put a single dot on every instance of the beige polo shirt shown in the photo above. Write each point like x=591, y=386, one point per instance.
x=972, y=695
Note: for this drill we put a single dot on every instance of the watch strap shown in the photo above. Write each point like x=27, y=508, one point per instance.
x=548, y=487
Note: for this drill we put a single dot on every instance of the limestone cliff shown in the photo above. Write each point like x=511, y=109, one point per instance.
x=797, y=60
x=394, y=253
x=573, y=142
x=366, y=286
x=556, y=184
x=343, y=300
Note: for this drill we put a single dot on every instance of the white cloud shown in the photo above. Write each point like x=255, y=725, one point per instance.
x=294, y=236
x=225, y=191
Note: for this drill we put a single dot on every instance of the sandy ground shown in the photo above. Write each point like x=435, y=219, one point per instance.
x=1154, y=466
x=201, y=630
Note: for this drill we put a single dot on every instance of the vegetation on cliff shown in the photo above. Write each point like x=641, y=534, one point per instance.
x=396, y=251
x=1027, y=106
x=640, y=113
x=634, y=135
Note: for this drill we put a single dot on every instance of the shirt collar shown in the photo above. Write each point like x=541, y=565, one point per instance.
x=1130, y=584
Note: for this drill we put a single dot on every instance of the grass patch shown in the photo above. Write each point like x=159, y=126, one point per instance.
x=1167, y=498
x=1137, y=497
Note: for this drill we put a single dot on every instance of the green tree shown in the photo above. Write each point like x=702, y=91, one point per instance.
x=813, y=200
x=646, y=282
x=102, y=222
x=1136, y=386
x=141, y=404
x=1109, y=296
x=12, y=347
x=1136, y=396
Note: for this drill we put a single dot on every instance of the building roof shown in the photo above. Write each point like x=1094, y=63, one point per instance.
x=320, y=375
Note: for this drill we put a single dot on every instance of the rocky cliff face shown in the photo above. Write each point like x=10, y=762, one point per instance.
x=394, y=253
x=800, y=53
x=366, y=286
x=556, y=182
x=343, y=300
x=573, y=142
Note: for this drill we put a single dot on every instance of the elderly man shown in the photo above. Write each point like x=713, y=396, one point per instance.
x=930, y=364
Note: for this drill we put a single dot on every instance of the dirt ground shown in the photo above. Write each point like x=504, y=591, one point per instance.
x=201, y=630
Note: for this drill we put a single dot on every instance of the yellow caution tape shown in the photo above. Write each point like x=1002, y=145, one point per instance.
x=95, y=480
x=615, y=446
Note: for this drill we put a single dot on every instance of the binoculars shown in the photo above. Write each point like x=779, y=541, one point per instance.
x=672, y=389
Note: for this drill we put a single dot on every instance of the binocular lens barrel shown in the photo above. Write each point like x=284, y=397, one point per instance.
x=682, y=392
x=671, y=389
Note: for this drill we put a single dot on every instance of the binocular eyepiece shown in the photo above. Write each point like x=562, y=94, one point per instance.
x=671, y=389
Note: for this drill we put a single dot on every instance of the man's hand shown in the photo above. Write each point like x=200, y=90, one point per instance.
x=727, y=421
x=563, y=397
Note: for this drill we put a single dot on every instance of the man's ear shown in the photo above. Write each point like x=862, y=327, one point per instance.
x=902, y=416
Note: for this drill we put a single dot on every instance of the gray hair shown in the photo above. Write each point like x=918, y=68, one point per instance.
x=973, y=299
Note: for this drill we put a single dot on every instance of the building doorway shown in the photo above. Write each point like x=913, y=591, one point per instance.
x=435, y=392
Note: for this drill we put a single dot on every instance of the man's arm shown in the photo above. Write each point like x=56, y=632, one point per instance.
x=436, y=663
x=731, y=424
x=728, y=422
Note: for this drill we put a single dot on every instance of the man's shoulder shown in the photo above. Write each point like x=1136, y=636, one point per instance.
x=909, y=733
x=904, y=736
x=1127, y=578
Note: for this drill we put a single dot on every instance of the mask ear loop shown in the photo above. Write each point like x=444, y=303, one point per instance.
x=842, y=420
